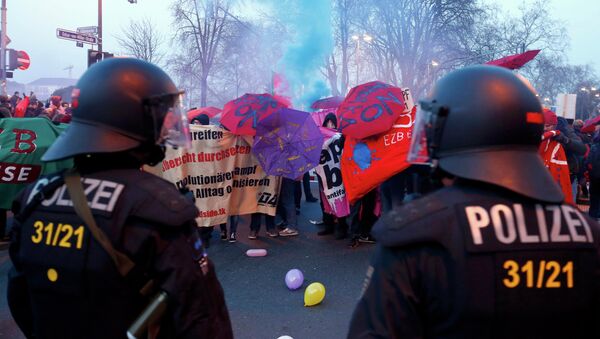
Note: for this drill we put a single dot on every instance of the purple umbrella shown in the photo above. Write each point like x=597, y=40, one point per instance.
x=287, y=143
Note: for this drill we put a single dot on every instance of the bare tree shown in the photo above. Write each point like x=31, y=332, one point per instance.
x=410, y=34
x=336, y=67
x=202, y=26
x=142, y=40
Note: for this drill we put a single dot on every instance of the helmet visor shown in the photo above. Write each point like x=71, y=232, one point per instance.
x=175, y=130
x=418, y=153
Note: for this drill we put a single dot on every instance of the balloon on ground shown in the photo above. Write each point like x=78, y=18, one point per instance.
x=294, y=279
x=314, y=294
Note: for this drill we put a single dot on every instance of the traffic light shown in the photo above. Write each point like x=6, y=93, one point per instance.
x=13, y=59
x=95, y=56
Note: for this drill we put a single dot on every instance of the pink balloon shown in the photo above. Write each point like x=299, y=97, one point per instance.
x=294, y=279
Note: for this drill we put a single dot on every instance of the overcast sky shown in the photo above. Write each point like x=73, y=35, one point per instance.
x=32, y=27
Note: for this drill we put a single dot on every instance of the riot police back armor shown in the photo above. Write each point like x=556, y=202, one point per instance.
x=72, y=280
x=495, y=254
x=486, y=264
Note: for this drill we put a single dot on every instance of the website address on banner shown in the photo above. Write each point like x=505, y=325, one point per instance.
x=211, y=213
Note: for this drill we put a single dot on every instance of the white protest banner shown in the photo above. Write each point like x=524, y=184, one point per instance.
x=565, y=105
x=223, y=175
x=331, y=177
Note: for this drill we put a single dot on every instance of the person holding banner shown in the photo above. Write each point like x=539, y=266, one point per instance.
x=94, y=247
x=329, y=219
x=496, y=253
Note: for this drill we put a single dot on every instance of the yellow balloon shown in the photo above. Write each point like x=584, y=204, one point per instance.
x=314, y=294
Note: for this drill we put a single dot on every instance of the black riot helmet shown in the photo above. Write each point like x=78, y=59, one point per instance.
x=484, y=123
x=122, y=104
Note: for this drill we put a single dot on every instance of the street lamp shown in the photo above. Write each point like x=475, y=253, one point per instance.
x=357, y=38
x=434, y=63
x=583, y=89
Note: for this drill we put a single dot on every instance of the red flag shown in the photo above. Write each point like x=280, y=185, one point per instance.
x=281, y=89
x=21, y=107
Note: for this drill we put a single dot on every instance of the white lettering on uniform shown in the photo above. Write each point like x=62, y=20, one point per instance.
x=525, y=238
x=115, y=195
x=586, y=226
x=555, y=235
x=541, y=219
x=511, y=233
x=510, y=224
x=478, y=218
x=93, y=183
x=37, y=188
x=573, y=223
x=62, y=200
x=101, y=195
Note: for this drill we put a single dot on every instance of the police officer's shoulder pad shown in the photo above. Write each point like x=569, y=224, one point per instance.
x=410, y=223
x=415, y=210
x=163, y=203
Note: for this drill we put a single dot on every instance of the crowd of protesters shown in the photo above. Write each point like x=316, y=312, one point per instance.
x=29, y=106
x=356, y=226
x=571, y=152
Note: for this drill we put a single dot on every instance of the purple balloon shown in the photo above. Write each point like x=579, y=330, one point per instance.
x=294, y=279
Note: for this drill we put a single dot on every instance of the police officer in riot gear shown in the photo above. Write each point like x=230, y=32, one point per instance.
x=495, y=253
x=66, y=282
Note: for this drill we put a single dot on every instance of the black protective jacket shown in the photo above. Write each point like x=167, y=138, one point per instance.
x=64, y=284
x=468, y=262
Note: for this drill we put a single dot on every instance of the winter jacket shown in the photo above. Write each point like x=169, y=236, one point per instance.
x=573, y=146
x=554, y=158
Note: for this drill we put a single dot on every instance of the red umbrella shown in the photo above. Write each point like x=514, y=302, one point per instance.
x=210, y=111
x=331, y=102
x=240, y=116
x=515, y=61
x=590, y=125
x=370, y=109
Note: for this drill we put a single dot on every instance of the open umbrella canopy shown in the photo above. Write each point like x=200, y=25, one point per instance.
x=331, y=102
x=241, y=115
x=514, y=61
x=370, y=109
x=210, y=111
x=287, y=143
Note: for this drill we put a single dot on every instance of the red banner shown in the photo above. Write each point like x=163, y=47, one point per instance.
x=369, y=162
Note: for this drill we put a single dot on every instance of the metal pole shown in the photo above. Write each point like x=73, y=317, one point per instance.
x=100, y=28
x=3, y=48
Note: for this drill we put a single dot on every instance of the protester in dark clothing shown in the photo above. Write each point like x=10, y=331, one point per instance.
x=574, y=149
x=332, y=224
x=572, y=144
x=5, y=109
x=14, y=100
x=306, y=186
x=586, y=138
x=201, y=119
x=31, y=109
x=363, y=218
x=593, y=165
x=255, y=225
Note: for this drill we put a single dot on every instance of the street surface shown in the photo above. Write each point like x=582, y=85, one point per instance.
x=260, y=305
